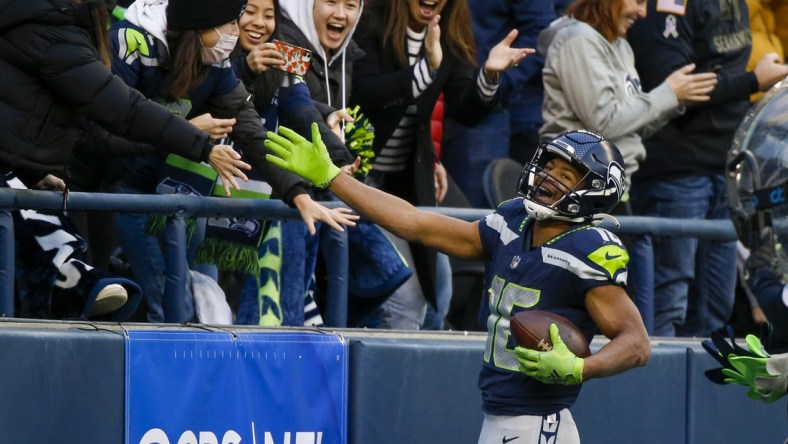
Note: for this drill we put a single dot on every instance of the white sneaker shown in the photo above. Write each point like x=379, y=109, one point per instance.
x=110, y=298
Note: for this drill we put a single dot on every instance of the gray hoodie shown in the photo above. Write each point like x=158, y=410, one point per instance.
x=591, y=83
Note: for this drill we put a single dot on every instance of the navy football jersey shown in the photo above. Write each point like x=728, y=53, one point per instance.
x=553, y=277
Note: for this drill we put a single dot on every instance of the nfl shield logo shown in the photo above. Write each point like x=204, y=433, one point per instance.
x=515, y=261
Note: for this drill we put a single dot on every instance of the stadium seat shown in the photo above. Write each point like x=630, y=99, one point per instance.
x=500, y=180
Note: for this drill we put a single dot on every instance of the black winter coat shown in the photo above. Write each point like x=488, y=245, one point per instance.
x=53, y=78
x=383, y=89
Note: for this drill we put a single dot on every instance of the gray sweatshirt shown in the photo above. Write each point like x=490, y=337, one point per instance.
x=591, y=83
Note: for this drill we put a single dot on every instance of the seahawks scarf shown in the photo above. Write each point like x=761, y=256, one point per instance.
x=231, y=243
x=181, y=176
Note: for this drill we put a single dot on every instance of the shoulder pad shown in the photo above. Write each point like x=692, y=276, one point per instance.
x=135, y=41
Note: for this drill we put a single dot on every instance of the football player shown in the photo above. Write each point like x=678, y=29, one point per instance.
x=543, y=251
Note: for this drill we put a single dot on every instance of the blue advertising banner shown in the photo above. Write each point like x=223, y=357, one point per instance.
x=242, y=388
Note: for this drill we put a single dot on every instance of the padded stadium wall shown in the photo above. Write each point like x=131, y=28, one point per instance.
x=64, y=383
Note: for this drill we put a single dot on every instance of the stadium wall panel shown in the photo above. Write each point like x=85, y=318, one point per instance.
x=64, y=383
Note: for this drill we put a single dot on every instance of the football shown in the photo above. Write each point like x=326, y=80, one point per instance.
x=531, y=329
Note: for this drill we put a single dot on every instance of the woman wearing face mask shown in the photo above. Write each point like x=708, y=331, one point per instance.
x=55, y=54
x=285, y=99
x=176, y=53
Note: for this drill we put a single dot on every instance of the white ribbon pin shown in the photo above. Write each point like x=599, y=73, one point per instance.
x=670, y=27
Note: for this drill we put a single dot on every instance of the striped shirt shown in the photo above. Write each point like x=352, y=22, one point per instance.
x=398, y=148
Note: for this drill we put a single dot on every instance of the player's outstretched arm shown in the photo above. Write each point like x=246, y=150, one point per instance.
x=310, y=160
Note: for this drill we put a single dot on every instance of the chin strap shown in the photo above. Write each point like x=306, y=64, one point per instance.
x=599, y=218
x=542, y=212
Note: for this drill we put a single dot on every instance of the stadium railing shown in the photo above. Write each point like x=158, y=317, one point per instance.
x=184, y=206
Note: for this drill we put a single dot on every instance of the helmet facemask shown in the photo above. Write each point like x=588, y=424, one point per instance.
x=536, y=183
x=598, y=188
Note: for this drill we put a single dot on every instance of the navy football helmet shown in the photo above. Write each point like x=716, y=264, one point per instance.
x=603, y=178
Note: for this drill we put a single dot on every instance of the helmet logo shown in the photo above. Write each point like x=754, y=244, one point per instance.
x=614, y=175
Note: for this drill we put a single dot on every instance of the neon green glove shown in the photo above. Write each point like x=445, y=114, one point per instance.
x=721, y=349
x=777, y=366
x=747, y=368
x=755, y=346
x=307, y=159
x=767, y=397
x=767, y=376
x=751, y=376
x=557, y=366
x=773, y=385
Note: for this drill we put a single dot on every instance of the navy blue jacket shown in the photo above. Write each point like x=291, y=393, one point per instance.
x=521, y=87
x=715, y=39
x=221, y=94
